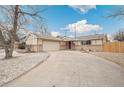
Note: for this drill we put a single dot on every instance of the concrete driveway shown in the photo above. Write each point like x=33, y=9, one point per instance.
x=72, y=68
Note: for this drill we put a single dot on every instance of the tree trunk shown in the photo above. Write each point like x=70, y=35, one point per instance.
x=9, y=50
x=9, y=45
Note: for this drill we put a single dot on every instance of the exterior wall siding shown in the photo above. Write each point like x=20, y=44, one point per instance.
x=32, y=40
x=63, y=45
x=39, y=45
x=33, y=44
x=96, y=48
x=96, y=45
x=32, y=48
x=96, y=42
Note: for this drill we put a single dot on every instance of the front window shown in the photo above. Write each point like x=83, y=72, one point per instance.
x=88, y=42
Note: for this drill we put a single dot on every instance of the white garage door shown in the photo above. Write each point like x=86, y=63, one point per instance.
x=50, y=45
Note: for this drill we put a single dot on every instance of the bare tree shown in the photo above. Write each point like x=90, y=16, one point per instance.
x=42, y=29
x=119, y=36
x=117, y=13
x=16, y=17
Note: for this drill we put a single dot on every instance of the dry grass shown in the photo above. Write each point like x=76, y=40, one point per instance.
x=117, y=58
x=19, y=64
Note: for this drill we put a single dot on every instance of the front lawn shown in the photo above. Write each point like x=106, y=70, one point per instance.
x=18, y=65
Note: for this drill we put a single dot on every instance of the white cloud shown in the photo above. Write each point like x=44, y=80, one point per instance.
x=82, y=26
x=83, y=8
x=55, y=33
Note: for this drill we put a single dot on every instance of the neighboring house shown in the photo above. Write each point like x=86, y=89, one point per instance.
x=2, y=46
x=39, y=43
x=21, y=38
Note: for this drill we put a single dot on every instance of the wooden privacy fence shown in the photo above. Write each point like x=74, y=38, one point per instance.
x=117, y=47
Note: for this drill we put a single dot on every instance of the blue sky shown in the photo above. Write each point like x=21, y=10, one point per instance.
x=85, y=19
x=58, y=17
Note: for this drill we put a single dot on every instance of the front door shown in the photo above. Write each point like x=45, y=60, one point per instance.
x=70, y=45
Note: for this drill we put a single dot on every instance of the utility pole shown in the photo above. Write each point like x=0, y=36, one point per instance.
x=75, y=31
x=65, y=32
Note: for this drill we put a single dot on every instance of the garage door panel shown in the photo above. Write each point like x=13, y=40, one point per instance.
x=51, y=45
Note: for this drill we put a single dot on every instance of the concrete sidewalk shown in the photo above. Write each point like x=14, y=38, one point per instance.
x=72, y=68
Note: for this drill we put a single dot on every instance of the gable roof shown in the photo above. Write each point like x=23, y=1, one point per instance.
x=92, y=37
x=46, y=37
x=88, y=37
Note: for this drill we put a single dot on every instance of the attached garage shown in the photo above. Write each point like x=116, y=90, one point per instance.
x=51, y=45
x=38, y=43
